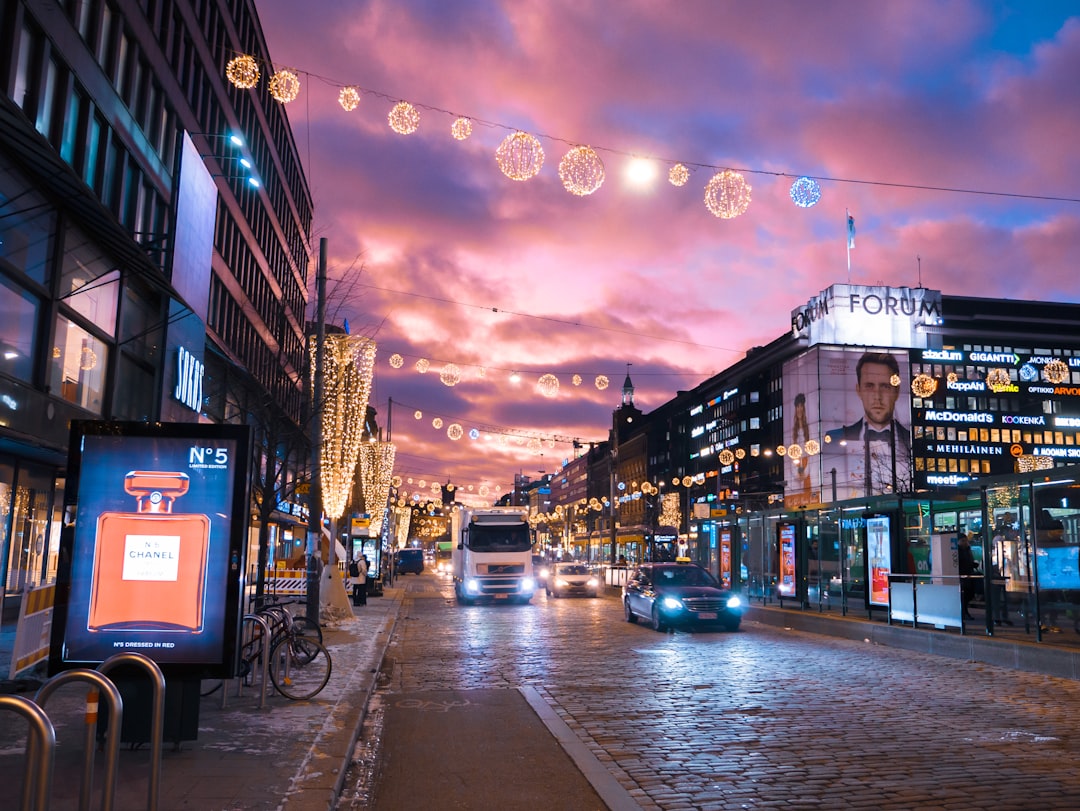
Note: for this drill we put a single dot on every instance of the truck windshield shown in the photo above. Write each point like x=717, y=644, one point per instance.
x=499, y=538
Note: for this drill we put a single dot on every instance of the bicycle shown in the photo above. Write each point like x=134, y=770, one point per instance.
x=300, y=665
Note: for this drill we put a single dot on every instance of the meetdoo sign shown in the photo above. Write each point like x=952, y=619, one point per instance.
x=868, y=316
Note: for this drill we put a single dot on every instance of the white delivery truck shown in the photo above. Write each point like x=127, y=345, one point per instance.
x=491, y=554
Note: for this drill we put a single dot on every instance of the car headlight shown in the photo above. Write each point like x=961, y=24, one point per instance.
x=544, y=573
x=671, y=603
x=527, y=584
x=561, y=582
x=733, y=601
x=472, y=585
x=592, y=583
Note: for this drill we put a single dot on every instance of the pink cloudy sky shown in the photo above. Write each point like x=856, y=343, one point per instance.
x=438, y=255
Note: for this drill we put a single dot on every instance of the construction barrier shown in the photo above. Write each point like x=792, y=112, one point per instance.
x=33, y=630
x=292, y=582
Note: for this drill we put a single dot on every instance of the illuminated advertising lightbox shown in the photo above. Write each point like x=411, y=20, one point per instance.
x=725, y=558
x=786, y=583
x=879, y=558
x=152, y=549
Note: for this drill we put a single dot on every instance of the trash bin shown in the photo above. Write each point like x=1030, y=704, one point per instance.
x=375, y=587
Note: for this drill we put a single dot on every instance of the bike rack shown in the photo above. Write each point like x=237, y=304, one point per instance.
x=264, y=663
x=157, y=718
x=40, y=752
x=112, y=738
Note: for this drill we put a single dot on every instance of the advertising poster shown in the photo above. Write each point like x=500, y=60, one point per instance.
x=725, y=557
x=802, y=432
x=879, y=555
x=865, y=403
x=787, y=580
x=153, y=560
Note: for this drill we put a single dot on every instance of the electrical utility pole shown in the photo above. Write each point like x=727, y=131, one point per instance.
x=314, y=534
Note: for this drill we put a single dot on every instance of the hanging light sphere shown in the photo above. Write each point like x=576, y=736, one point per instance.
x=87, y=359
x=894, y=380
x=484, y=490
x=794, y=451
x=243, y=72
x=548, y=386
x=576, y=380
x=520, y=156
x=1055, y=371
x=740, y=453
x=455, y=432
x=687, y=481
x=813, y=447
x=403, y=118
x=805, y=192
x=422, y=483
x=726, y=457
x=474, y=433
x=418, y=414
x=396, y=361
x=952, y=377
x=534, y=446
x=450, y=375
x=423, y=365
x=727, y=195
x=285, y=86
x=436, y=424
x=923, y=385
x=602, y=382
x=998, y=379
x=395, y=481
x=348, y=98
x=581, y=171
x=781, y=450
x=678, y=175
x=461, y=128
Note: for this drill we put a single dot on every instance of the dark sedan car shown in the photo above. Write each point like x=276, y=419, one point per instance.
x=670, y=594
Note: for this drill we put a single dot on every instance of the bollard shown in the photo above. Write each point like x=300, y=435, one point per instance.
x=157, y=719
x=40, y=751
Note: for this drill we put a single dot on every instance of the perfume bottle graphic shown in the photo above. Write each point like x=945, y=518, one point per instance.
x=150, y=565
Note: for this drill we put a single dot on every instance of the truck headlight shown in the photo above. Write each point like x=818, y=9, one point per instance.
x=527, y=584
x=472, y=585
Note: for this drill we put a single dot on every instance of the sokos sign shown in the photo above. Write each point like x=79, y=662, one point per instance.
x=189, y=380
x=860, y=315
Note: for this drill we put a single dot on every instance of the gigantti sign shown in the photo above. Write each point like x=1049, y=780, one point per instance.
x=860, y=315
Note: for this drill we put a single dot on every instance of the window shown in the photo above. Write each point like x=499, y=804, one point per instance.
x=89, y=282
x=18, y=326
x=77, y=370
x=27, y=227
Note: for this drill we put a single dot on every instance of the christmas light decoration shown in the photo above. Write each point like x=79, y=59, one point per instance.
x=403, y=118
x=894, y=380
x=395, y=482
x=678, y=175
x=581, y=171
x=396, y=361
x=781, y=450
x=455, y=432
x=740, y=453
x=347, y=369
x=952, y=377
x=670, y=513
x=548, y=386
x=348, y=98
x=87, y=359
x=1027, y=462
x=450, y=375
x=461, y=128
x=243, y=72
x=813, y=447
x=805, y=192
x=923, y=385
x=1055, y=372
x=687, y=481
x=520, y=156
x=726, y=457
x=534, y=446
x=422, y=366
x=437, y=423
x=602, y=382
x=727, y=194
x=1029, y=373
x=576, y=380
x=998, y=379
x=794, y=451
x=285, y=86
x=418, y=414
x=474, y=433
x=376, y=470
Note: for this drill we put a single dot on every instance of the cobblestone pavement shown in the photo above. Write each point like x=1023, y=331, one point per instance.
x=762, y=718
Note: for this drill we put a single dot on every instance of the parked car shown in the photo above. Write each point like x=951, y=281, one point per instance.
x=684, y=594
x=567, y=579
x=409, y=560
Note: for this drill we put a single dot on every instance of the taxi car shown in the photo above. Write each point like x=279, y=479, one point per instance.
x=679, y=594
x=567, y=579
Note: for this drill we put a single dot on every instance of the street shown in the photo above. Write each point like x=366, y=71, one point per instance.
x=761, y=718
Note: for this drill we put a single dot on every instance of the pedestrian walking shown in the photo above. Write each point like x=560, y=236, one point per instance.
x=358, y=571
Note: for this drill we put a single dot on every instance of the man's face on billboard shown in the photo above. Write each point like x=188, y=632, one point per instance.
x=877, y=393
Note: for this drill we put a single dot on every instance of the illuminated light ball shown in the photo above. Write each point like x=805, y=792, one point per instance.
x=1055, y=371
x=781, y=450
x=504, y=439
x=828, y=439
x=455, y=432
x=423, y=365
x=805, y=192
x=675, y=481
x=418, y=414
x=740, y=453
x=678, y=175
x=755, y=451
x=998, y=379
x=56, y=352
x=534, y=446
x=243, y=72
x=409, y=480
x=576, y=380
x=923, y=385
x=436, y=487
x=727, y=194
x=450, y=375
x=348, y=98
x=422, y=483
x=461, y=128
x=726, y=457
x=894, y=381
x=285, y=86
x=621, y=486
x=952, y=377
x=813, y=447
x=484, y=490
x=470, y=488
x=520, y=440
x=1028, y=373
x=403, y=118
x=474, y=434
x=481, y=371
x=548, y=386
x=520, y=156
x=581, y=171
x=395, y=481
x=551, y=443
x=396, y=361
x=687, y=481
x=436, y=423
x=602, y=382
x=794, y=452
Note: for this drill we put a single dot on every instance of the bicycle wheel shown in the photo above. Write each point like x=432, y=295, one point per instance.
x=305, y=627
x=299, y=667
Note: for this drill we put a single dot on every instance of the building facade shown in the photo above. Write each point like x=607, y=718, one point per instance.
x=154, y=247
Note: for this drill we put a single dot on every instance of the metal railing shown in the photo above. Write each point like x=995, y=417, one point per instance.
x=39, y=753
x=157, y=716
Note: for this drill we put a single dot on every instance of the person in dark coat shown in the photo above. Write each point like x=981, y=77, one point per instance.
x=966, y=561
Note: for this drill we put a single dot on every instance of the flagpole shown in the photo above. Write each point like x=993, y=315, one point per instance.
x=847, y=232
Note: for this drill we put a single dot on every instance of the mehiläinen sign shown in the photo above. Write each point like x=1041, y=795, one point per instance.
x=860, y=315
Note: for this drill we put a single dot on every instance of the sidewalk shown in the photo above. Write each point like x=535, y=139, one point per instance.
x=291, y=755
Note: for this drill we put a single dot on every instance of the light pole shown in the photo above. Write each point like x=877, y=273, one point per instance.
x=314, y=534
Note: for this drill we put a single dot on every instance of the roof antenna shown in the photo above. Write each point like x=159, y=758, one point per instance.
x=919, y=260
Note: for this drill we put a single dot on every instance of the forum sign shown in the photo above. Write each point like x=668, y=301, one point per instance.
x=861, y=315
